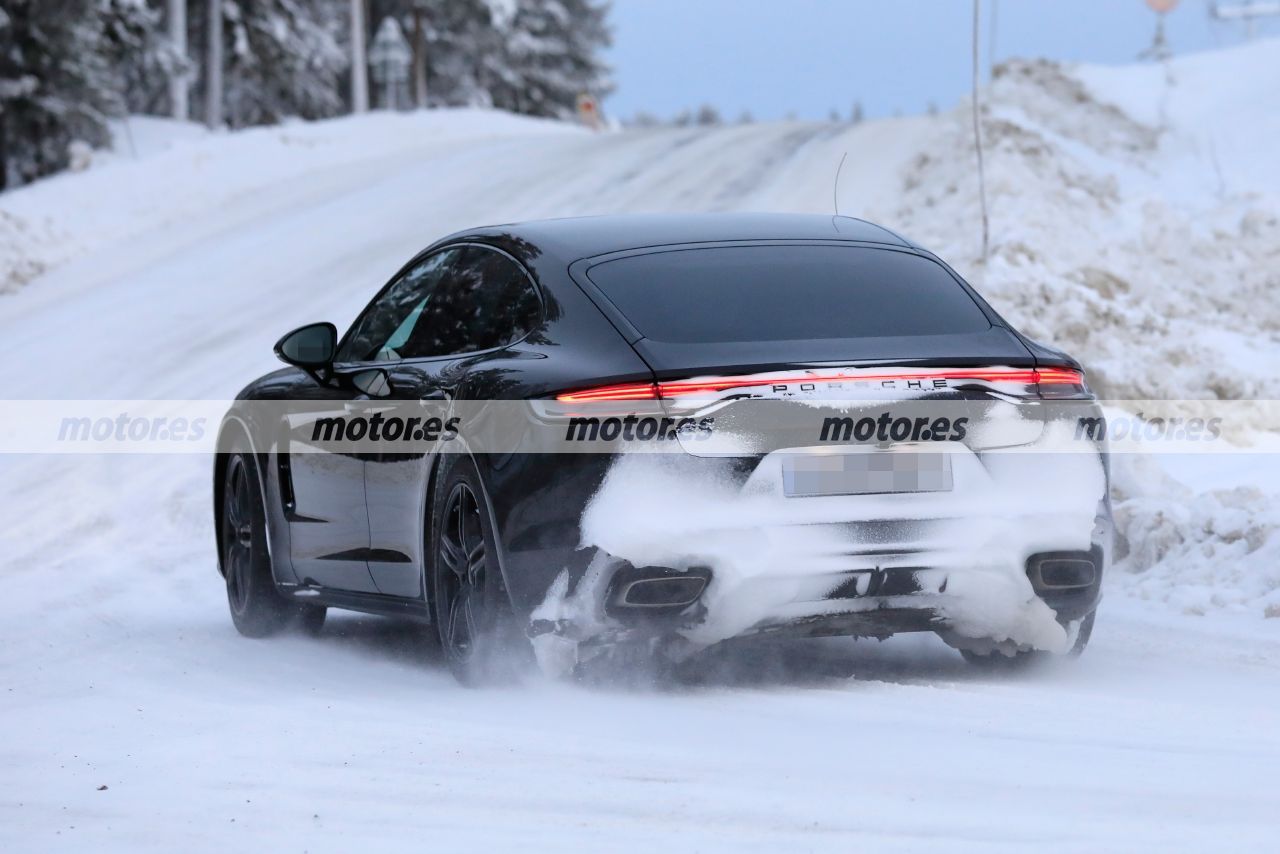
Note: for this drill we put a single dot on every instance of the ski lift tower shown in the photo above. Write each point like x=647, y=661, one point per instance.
x=1247, y=12
x=389, y=57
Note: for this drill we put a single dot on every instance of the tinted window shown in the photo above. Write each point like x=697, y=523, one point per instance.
x=489, y=302
x=385, y=326
x=456, y=301
x=786, y=293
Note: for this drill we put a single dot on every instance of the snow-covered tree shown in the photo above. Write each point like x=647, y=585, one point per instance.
x=463, y=52
x=68, y=65
x=56, y=86
x=282, y=57
x=138, y=49
x=528, y=56
x=707, y=115
x=549, y=55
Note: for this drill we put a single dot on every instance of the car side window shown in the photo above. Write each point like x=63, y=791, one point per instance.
x=488, y=303
x=454, y=302
x=384, y=328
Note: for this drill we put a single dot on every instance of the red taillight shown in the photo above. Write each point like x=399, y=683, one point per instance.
x=1059, y=376
x=713, y=385
x=626, y=391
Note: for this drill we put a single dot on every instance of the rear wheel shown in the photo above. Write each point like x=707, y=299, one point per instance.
x=470, y=604
x=257, y=609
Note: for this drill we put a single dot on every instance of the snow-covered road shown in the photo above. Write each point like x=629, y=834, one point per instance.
x=121, y=669
x=1162, y=738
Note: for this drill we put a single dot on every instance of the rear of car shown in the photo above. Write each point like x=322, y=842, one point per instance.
x=865, y=448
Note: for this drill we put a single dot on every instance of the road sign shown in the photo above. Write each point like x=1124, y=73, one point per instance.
x=1163, y=7
x=589, y=111
x=389, y=58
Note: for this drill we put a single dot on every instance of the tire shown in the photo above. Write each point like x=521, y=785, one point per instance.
x=470, y=605
x=257, y=609
x=998, y=661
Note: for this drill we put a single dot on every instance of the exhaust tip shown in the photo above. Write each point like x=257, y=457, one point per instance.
x=661, y=592
x=1062, y=571
x=656, y=589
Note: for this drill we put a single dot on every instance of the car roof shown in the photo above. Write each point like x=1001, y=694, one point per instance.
x=574, y=238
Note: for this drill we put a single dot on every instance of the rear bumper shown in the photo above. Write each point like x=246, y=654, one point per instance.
x=877, y=602
x=1013, y=555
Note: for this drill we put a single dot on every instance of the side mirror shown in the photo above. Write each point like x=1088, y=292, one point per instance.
x=310, y=347
x=374, y=382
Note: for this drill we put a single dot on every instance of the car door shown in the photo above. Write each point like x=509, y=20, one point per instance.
x=484, y=304
x=329, y=517
x=323, y=491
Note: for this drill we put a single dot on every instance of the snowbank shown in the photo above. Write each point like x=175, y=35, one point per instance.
x=1135, y=221
x=1148, y=248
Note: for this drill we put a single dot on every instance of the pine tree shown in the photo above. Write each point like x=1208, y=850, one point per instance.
x=283, y=57
x=461, y=53
x=138, y=50
x=527, y=56
x=66, y=66
x=56, y=87
x=548, y=55
x=707, y=115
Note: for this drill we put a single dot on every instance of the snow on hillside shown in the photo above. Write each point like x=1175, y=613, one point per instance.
x=1149, y=248
x=163, y=171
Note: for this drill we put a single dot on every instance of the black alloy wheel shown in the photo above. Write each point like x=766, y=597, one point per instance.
x=471, y=608
x=257, y=608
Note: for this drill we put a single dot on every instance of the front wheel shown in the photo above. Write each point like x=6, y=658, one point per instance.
x=257, y=609
x=470, y=604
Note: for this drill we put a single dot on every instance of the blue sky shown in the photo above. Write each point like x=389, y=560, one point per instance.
x=774, y=57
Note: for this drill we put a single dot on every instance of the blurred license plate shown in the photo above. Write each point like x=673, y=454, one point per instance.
x=874, y=473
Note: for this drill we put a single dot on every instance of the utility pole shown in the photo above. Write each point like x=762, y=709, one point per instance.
x=991, y=39
x=213, y=73
x=178, y=104
x=419, y=58
x=359, y=67
x=977, y=136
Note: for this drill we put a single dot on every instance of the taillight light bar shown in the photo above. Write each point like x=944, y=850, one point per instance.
x=1059, y=376
x=626, y=391
x=711, y=385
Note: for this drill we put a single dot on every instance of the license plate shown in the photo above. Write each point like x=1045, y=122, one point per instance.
x=872, y=473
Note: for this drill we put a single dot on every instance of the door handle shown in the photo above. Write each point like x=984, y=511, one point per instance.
x=436, y=394
x=367, y=406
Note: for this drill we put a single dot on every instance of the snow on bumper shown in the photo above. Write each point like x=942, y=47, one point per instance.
x=777, y=561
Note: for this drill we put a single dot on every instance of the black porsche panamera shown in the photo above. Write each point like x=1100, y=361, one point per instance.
x=686, y=319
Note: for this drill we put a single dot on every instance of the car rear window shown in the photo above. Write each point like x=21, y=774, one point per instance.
x=786, y=293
